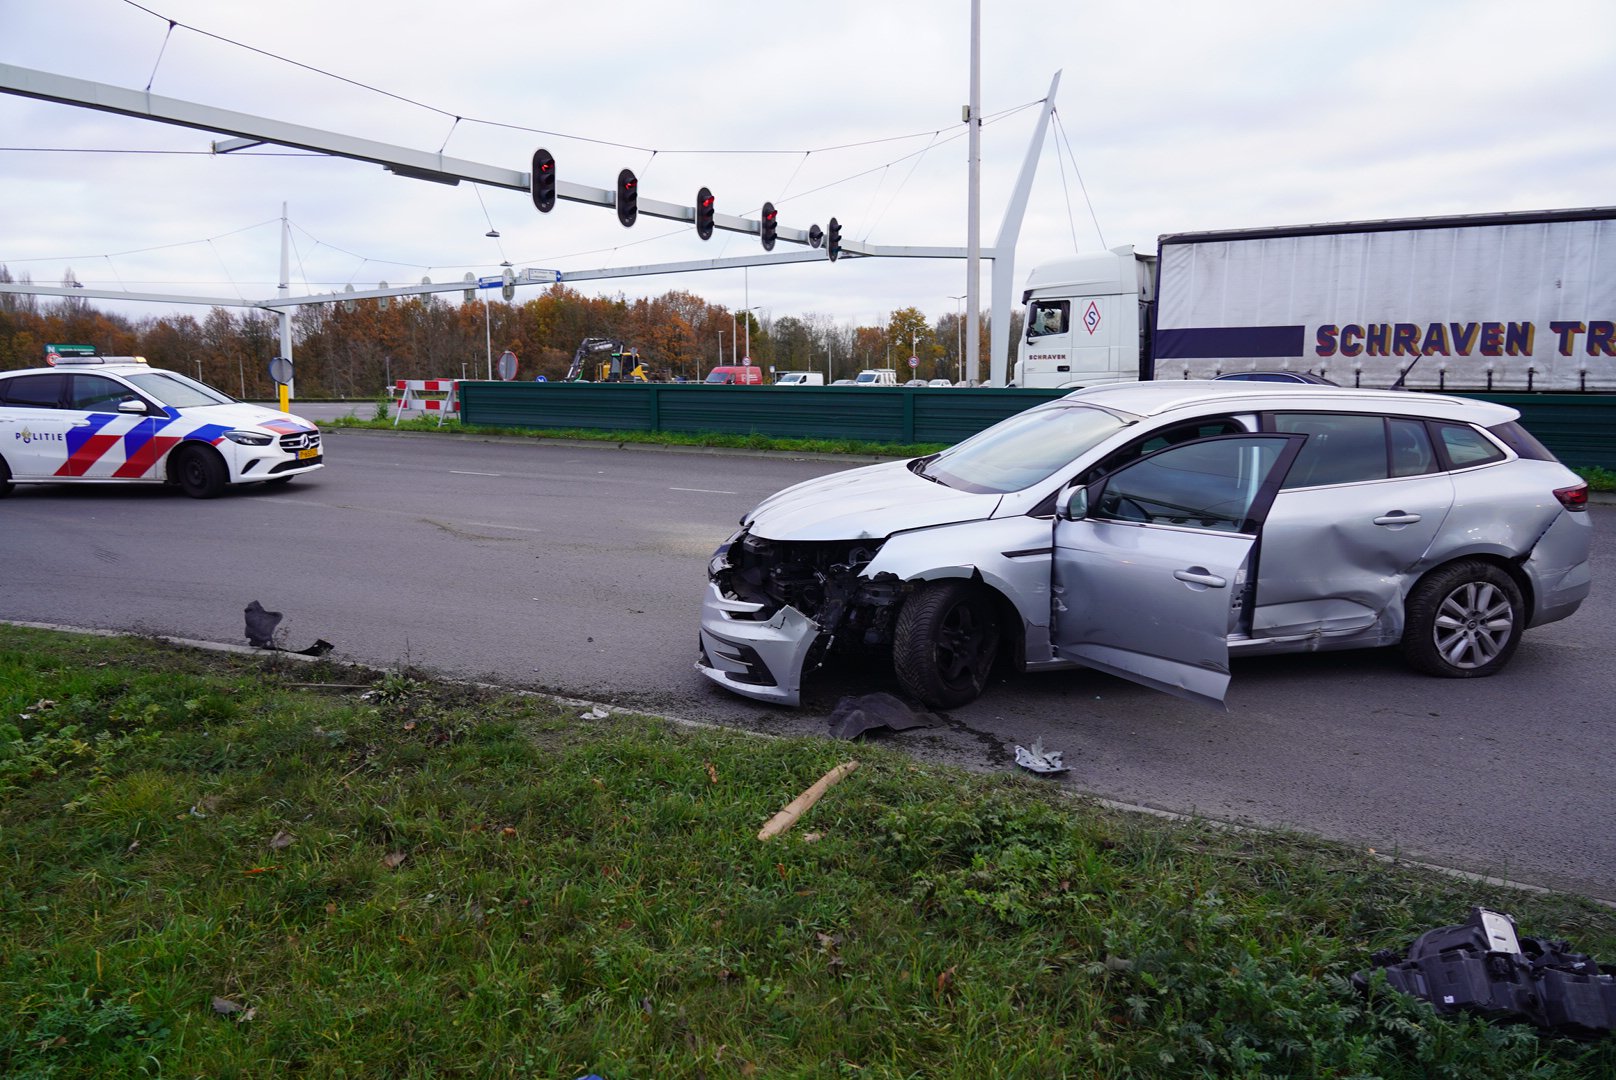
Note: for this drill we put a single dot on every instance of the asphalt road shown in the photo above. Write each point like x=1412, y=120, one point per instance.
x=579, y=569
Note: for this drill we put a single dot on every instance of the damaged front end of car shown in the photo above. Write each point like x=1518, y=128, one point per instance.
x=776, y=610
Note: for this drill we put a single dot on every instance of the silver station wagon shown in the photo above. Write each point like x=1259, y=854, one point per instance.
x=1154, y=530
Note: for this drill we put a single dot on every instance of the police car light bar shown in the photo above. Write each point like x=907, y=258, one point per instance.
x=81, y=358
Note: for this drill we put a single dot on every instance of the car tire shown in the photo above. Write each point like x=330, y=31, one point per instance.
x=1463, y=621
x=945, y=642
x=5, y=478
x=200, y=472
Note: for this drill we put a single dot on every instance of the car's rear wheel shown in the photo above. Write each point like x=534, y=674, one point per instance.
x=945, y=642
x=200, y=472
x=1464, y=621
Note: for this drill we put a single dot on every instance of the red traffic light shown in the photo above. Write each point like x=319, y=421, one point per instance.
x=768, y=225
x=543, y=182
x=628, y=197
x=704, y=214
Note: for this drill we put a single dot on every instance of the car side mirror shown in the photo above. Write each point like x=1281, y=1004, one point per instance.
x=1075, y=505
x=132, y=405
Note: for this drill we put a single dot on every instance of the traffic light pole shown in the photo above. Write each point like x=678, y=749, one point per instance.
x=249, y=131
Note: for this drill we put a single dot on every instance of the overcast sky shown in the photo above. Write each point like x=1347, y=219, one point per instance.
x=1177, y=116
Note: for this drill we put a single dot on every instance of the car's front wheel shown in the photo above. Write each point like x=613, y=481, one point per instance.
x=200, y=472
x=1463, y=621
x=945, y=642
x=5, y=478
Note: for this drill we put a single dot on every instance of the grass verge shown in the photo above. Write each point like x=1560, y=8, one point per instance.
x=224, y=865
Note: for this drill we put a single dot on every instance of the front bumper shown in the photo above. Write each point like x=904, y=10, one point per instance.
x=757, y=658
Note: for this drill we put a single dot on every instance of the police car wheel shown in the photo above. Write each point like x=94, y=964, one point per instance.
x=5, y=478
x=200, y=472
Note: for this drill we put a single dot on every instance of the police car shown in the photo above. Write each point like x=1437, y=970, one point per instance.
x=106, y=419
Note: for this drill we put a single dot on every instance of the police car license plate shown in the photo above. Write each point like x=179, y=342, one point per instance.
x=311, y=452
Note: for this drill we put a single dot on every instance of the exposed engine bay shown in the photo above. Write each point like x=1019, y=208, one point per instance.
x=819, y=578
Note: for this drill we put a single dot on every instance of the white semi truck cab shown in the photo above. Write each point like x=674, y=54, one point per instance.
x=1087, y=320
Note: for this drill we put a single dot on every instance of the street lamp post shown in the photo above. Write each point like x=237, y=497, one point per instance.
x=488, y=334
x=748, y=312
x=959, y=337
x=721, y=348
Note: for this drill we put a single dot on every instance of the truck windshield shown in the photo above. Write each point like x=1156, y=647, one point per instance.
x=1026, y=448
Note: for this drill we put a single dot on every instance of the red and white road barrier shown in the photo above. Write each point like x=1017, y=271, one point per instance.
x=440, y=396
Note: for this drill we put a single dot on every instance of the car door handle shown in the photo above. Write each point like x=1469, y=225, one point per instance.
x=1397, y=517
x=1200, y=575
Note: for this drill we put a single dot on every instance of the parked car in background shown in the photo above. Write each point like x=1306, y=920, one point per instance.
x=799, y=378
x=113, y=419
x=939, y=382
x=743, y=375
x=876, y=377
x=915, y=382
x=1154, y=531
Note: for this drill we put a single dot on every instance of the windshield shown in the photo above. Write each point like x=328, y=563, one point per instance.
x=175, y=390
x=1017, y=453
x=720, y=377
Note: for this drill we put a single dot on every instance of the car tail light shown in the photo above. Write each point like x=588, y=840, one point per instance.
x=1573, y=498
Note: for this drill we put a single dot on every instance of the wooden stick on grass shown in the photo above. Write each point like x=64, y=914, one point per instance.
x=786, y=818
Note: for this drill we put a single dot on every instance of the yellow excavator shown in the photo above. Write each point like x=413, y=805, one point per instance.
x=607, y=360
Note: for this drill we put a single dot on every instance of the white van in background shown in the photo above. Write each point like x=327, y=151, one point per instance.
x=799, y=378
x=876, y=377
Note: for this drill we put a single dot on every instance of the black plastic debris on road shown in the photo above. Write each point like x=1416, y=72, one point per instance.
x=856, y=714
x=261, y=626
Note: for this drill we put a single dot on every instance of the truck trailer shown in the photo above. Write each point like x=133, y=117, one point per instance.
x=1502, y=302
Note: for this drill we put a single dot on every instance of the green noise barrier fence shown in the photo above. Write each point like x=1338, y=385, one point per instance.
x=871, y=414
x=1579, y=428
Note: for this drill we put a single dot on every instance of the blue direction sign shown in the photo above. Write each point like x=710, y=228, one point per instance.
x=490, y=282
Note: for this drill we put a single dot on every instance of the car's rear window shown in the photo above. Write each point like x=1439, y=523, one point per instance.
x=1465, y=446
x=1523, y=442
x=42, y=391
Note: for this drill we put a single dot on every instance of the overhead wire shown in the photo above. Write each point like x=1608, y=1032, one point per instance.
x=1093, y=216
